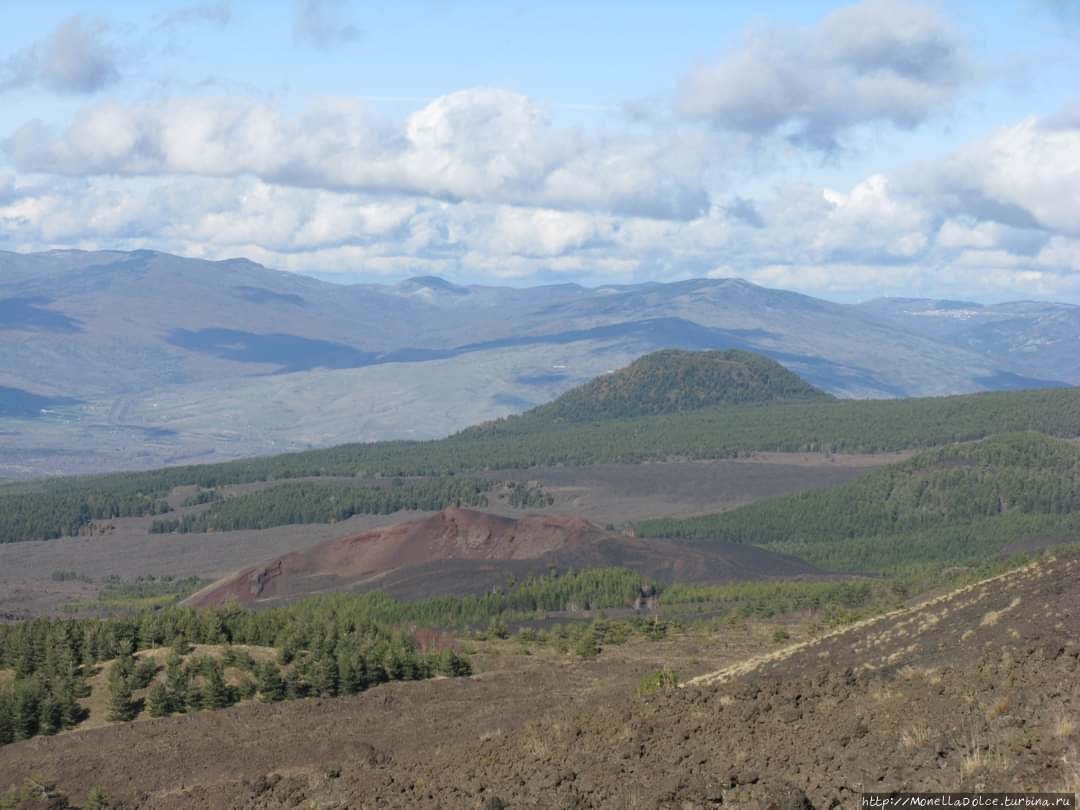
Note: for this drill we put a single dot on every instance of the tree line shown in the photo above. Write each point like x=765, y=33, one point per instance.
x=316, y=502
x=951, y=504
x=328, y=503
x=52, y=508
x=322, y=650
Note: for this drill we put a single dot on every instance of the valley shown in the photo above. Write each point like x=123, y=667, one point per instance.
x=603, y=494
x=693, y=582
x=539, y=406
x=219, y=360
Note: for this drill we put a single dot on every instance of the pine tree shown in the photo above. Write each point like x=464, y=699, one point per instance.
x=145, y=670
x=246, y=689
x=587, y=646
x=326, y=677
x=215, y=693
x=294, y=685
x=271, y=687
x=159, y=700
x=25, y=711
x=7, y=719
x=121, y=706
x=50, y=715
x=178, y=683
x=453, y=665
x=180, y=645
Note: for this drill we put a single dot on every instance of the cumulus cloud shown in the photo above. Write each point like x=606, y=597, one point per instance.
x=482, y=144
x=744, y=211
x=891, y=61
x=7, y=188
x=874, y=237
x=481, y=185
x=1025, y=176
x=324, y=24
x=75, y=58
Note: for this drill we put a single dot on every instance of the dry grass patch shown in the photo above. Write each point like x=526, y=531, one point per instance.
x=999, y=707
x=536, y=740
x=915, y=737
x=911, y=673
x=994, y=616
x=1064, y=726
x=97, y=702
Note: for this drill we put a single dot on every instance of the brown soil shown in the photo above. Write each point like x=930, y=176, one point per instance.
x=604, y=493
x=460, y=551
x=977, y=690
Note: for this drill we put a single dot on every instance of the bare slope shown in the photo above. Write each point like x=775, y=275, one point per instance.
x=978, y=690
x=465, y=551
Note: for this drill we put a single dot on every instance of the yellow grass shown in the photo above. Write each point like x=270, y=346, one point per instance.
x=907, y=614
x=1065, y=726
x=97, y=703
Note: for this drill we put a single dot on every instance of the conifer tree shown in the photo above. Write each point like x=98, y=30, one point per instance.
x=215, y=693
x=271, y=686
x=159, y=701
x=178, y=683
x=122, y=707
x=50, y=715
x=7, y=719
x=25, y=711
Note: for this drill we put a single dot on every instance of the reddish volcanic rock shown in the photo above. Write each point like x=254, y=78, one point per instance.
x=464, y=551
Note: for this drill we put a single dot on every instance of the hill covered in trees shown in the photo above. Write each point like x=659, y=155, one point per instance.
x=703, y=405
x=952, y=504
x=675, y=381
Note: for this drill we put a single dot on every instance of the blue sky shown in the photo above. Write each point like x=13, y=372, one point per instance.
x=843, y=149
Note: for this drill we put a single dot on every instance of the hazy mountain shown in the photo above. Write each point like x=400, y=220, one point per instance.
x=1028, y=338
x=115, y=360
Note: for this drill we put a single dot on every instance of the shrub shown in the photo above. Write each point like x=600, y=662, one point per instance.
x=656, y=681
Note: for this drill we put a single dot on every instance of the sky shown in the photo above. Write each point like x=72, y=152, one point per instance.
x=845, y=150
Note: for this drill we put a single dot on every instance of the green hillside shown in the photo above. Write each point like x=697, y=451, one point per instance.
x=951, y=504
x=49, y=508
x=675, y=381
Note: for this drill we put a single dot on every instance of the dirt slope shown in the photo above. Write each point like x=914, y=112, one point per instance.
x=979, y=690
x=465, y=551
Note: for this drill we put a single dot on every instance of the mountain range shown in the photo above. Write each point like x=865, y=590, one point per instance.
x=115, y=360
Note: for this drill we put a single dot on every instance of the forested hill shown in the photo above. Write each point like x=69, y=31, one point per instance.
x=951, y=503
x=53, y=507
x=674, y=381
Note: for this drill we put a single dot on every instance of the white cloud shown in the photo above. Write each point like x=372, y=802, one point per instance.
x=480, y=185
x=892, y=61
x=483, y=144
x=1024, y=176
x=75, y=58
x=871, y=220
x=324, y=24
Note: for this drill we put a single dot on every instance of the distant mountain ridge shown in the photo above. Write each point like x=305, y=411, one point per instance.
x=166, y=360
